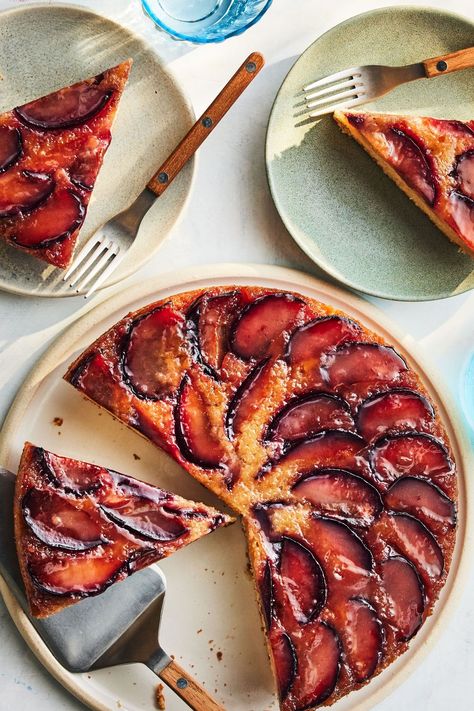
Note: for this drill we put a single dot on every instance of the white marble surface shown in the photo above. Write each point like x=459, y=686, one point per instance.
x=231, y=218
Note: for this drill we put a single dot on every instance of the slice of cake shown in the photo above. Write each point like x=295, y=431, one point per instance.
x=431, y=160
x=323, y=437
x=51, y=151
x=80, y=527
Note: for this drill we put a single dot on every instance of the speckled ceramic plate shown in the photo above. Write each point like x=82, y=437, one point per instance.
x=210, y=603
x=335, y=201
x=59, y=45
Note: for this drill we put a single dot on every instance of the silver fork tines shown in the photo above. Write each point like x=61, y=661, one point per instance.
x=97, y=258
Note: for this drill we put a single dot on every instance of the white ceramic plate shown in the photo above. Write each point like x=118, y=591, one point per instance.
x=44, y=48
x=209, y=588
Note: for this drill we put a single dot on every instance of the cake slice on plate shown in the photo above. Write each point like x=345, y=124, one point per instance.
x=431, y=160
x=51, y=151
x=80, y=527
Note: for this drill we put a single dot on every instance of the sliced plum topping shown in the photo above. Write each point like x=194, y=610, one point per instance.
x=308, y=415
x=404, y=596
x=411, y=161
x=140, y=516
x=58, y=218
x=340, y=494
x=413, y=454
x=80, y=575
x=208, y=324
x=363, y=638
x=326, y=449
x=361, y=362
x=284, y=659
x=343, y=555
x=411, y=538
x=266, y=593
x=153, y=353
x=263, y=328
x=422, y=499
x=73, y=477
x=11, y=147
x=59, y=524
x=302, y=585
x=65, y=108
x=462, y=211
x=309, y=341
x=394, y=411
x=319, y=646
x=23, y=191
x=83, y=172
x=195, y=436
x=247, y=399
x=464, y=171
x=125, y=486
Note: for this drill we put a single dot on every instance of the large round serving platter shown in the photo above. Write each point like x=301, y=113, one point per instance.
x=334, y=200
x=59, y=45
x=210, y=605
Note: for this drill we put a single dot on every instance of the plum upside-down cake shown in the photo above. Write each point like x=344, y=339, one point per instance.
x=430, y=159
x=51, y=151
x=323, y=438
x=80, y=527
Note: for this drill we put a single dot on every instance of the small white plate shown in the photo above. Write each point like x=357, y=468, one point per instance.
x=210, y=605
x=43, y=48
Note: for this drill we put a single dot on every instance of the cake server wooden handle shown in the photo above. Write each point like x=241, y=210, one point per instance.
x=192, y=693
x=206, y=123
x=463, y=59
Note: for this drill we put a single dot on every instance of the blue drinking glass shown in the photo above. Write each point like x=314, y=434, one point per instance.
x=204, y=21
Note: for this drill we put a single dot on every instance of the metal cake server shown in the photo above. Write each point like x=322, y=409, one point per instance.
x=78, y=637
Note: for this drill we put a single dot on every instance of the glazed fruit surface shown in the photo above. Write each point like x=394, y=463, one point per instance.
x=434, y=157
x=51, y=151
x=80, y=527
x=324, y=439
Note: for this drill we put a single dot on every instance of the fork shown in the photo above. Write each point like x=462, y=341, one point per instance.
x=358, y=85
x=104, y=251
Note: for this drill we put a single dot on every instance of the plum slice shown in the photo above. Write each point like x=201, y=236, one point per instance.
x=308, y=415
x=11, y=147
x=340, y=494
x=266, y=593
x=301, y=584
x=139, y=516
x=405, y=600
x=319, y=646
x=208, y=323
x=66, y=108
x=422, y=499
x=413, y=453
x=23, y=191
x=411, y=161
x=362, y=637
x=56, y=219
x=361, y=362
x=80, y=575
x=83, y=172
x=309, y=341
x=411, y=538
x=196, y=439
x=344, y=556
x=59, y=524
x=331, y=448
x=464, y=172
x=153, y=352
x=263, y=327
x=78, y=478
x=284, y=660
x=462, y=211
x=247, y=399
x=397, y=410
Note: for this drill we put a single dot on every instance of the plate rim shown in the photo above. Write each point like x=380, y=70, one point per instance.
x=301, y=280
x=302, y=243
x=190, y=114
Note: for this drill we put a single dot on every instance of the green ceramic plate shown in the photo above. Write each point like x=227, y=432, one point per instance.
x=337, y=204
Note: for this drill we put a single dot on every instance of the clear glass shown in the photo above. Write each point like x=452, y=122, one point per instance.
x=205, y=21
